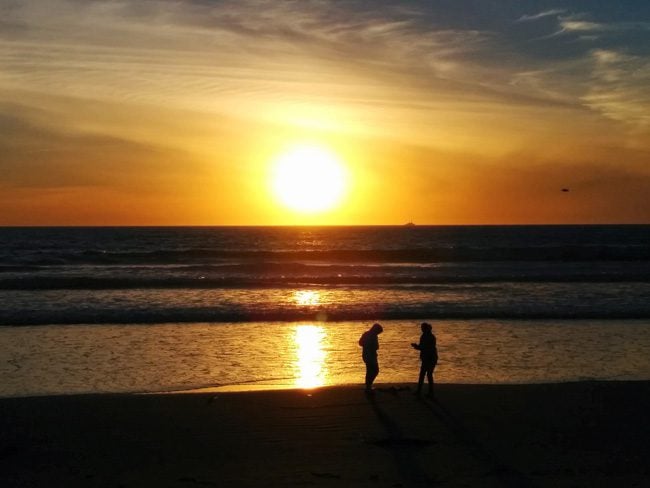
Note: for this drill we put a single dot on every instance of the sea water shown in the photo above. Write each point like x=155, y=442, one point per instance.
x=151, y=309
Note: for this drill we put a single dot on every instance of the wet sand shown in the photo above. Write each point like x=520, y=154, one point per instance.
x=560, y=435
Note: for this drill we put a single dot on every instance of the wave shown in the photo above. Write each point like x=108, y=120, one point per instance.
x=414, y=255
x=125, y=283
x=198, y=315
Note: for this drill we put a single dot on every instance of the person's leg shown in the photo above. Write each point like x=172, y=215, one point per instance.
x=374, y=373
x=421, y=378
x=372, y=370
x=430, y=379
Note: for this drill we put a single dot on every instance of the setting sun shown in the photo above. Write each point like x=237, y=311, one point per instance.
x=309, y=179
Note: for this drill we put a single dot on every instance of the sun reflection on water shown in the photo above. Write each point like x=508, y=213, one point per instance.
x=306, y=297
x=310, y=356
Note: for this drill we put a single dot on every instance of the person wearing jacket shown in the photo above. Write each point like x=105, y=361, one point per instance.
x=428, y=356
x=369, y=341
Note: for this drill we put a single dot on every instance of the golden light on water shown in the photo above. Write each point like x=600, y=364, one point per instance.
x=307, y=297
x=310, y=356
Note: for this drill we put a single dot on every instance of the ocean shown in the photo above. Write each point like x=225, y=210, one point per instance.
x=88, y=310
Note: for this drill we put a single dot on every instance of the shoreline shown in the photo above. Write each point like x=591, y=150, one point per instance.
x=253, y=387
x=591, y=433
x=133, y=359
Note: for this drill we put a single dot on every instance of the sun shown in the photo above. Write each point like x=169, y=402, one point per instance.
x=309, y=179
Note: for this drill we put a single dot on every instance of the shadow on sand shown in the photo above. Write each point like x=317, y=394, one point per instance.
x=405, y=450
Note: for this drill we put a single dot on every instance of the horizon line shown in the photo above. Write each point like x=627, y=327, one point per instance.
x=159, y=226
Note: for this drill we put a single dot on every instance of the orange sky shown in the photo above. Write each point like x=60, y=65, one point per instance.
x=171, y=113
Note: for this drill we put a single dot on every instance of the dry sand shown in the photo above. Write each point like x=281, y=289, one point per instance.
x=560, y=435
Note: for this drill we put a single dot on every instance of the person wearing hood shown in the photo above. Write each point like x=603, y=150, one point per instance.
x=428, y=356
x=369, y=341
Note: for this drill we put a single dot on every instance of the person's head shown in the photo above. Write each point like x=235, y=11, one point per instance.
x=426, y=327
x=376, y=328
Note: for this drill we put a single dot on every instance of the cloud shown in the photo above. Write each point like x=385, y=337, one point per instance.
x=40, y=157
x=250, y=59
x=152, y=51
x=569, y=25
x=620, y=88
x=581, y=24
x=294, y=61
x=541, y=15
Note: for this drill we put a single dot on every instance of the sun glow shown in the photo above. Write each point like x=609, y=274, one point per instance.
x=309, y=179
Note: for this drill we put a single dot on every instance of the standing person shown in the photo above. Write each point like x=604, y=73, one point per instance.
x=428, y=356
x=369, y=341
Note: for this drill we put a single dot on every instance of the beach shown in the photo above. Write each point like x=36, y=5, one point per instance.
x=563, y=434
x=218, y=356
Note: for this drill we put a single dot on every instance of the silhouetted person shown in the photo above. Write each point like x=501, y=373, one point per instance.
x=369, y=341
x=428, y=356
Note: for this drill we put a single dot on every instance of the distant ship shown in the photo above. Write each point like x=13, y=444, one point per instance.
x=409, y=224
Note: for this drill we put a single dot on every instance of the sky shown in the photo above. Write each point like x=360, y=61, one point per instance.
x=156, y=112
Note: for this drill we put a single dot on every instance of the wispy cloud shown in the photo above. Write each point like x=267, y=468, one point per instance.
x=620, y=87
x=221, y=44
x=541, y=15
x=247, y=58
x=581, y=23
x=243, y=58
x=571, y=25
x=41, y=156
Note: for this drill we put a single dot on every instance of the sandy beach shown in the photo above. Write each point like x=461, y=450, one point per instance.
x=571, y=434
